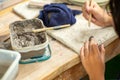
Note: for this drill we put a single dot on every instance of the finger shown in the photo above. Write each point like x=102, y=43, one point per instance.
x=97, y=22
x=91, y=38
x=90, y=44
x=93, y=46
x=86, y=48
x=93, y=20
x=82, y=53
x=91, y=6
x=85, y=13
x=87, y=6
x=95, y=49
x=95, y=4
x=94, y=10
x=102, y=51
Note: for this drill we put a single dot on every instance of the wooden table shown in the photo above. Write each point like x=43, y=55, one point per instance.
x=64, y=63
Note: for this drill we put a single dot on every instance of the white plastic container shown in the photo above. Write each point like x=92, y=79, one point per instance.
x=9, y=62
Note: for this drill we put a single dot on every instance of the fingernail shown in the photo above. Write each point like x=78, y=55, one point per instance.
x=102, y=45
x=91, y=38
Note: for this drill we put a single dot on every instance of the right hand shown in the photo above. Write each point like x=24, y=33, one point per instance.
x=99, y=16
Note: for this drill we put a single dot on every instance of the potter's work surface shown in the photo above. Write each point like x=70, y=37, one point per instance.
x=77, y=34
x=7, y=3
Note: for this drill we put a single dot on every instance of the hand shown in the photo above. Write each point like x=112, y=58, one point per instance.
x=92, y=57
x=99, y=16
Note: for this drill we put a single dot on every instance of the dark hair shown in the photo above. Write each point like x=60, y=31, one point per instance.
x=115, y=10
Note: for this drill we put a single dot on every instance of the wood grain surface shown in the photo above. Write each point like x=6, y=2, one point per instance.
x=64, y=64
x=5, y=20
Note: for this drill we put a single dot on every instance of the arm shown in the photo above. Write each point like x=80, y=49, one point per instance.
x=99, y=16
x=92, y=58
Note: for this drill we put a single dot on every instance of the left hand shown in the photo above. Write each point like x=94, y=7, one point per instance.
x=92, y=57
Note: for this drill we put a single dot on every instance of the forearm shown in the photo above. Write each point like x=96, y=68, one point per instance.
x=95, y=77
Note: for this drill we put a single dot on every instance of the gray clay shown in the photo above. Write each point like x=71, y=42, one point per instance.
x=24, y=39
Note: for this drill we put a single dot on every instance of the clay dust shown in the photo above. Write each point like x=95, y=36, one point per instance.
x=25, y=39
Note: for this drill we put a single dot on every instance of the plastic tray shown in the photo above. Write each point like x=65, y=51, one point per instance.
x=9, y=61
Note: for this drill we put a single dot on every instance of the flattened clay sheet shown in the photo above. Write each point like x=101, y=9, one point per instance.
x=26, y=12
x=77, y=34
x=30, y=13
x=98, y=1
x=81, y=2
x=49, y=1
x=7, y=3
